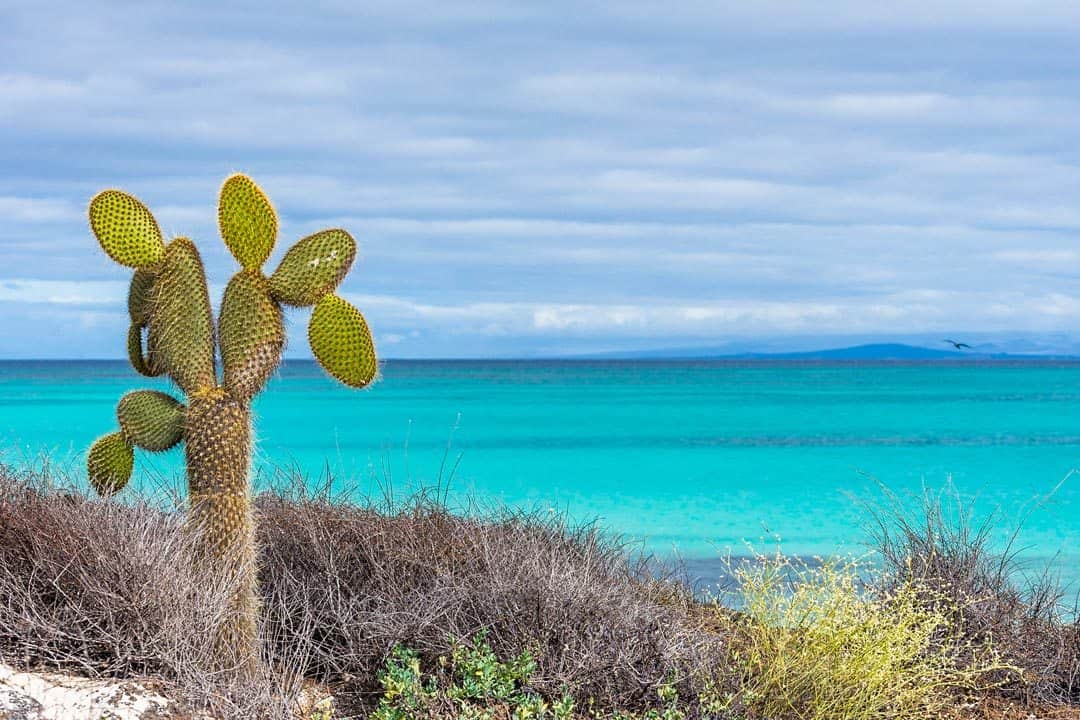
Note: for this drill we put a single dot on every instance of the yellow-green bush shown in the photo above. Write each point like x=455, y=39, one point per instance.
x=816, y=644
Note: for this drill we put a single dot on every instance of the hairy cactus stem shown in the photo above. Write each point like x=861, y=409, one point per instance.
x=218, y=451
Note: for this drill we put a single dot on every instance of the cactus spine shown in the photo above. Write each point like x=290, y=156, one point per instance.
x=173, y=332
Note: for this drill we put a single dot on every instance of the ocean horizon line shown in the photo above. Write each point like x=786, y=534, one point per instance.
x=891, y=352
x=753, y=358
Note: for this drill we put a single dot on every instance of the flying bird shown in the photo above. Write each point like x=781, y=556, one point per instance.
x=957, y=345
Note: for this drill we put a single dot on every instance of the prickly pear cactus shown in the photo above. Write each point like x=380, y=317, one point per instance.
x=173, y=332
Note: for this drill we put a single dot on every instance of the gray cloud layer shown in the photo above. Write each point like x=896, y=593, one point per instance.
x=565, y=177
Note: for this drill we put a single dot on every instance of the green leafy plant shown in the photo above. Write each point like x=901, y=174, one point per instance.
x=173, y=333
x=405, y=694
x=475, y=685
x=480, y=675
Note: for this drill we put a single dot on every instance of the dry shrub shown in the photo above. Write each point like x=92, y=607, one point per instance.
x=362, y=582
x=104, y=588
x=937, y=544
x=88, y=584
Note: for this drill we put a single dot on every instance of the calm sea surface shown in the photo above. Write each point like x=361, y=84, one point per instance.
x=701, y=458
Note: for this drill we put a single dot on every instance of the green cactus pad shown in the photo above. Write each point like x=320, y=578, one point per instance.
x=181, y=338
x=313, y=267
x=139, y=296
x=152, y=420
x=109, y=464
x=251, y=334
x=126, y=229
x=247, y=221
x=342, y=343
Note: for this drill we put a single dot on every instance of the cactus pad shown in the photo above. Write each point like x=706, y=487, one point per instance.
x=251, y=334
x=247, y=221
x=139, y=297
x=152, y=420
x=109, y=464
x=341, y=341
x=181, y=340
x=126, y=229
x=313, y=267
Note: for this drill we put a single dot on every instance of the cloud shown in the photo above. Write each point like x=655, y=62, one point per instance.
x=891, y=105
x=37, y=210
x=908, y=311
x=521, y=177
x=63, y=292
x=842, y=16
x=1038, y=257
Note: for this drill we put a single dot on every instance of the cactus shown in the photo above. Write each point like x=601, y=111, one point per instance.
x=173, y=332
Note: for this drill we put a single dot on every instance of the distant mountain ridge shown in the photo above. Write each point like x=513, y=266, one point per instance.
x=879, y=351
x=871, y=351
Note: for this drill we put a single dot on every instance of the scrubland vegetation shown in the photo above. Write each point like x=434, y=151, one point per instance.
x=404, y=610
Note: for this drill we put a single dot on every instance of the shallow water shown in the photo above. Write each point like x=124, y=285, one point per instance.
x=696, y=457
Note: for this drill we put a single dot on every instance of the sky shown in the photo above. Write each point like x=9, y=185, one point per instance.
x=562, y=178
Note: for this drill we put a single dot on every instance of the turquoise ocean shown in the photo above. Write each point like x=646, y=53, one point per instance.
x=695, y=458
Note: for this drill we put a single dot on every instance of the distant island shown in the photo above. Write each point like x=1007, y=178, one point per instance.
x=872, y=351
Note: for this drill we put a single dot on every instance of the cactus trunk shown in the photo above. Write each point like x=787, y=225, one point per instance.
x=218, y=458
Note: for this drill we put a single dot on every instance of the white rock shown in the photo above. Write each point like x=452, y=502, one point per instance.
x=53, y=696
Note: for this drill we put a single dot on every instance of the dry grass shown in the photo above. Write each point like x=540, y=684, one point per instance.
x=104, y=588
x=418, y=576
